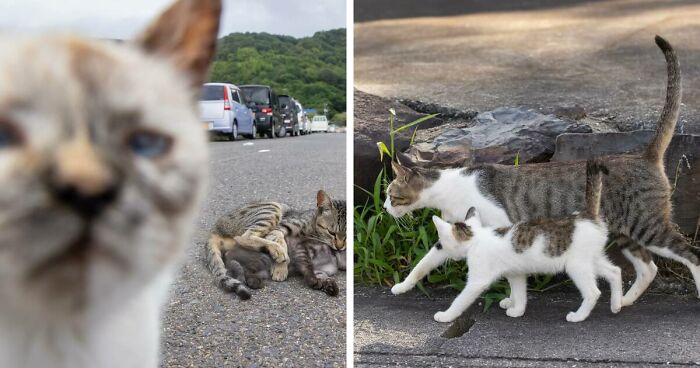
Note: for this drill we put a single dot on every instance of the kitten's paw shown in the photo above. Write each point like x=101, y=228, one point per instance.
x=515, y=312
x=401, y=288
x=330, y=287
x=280, y=271
x=575, y=317
x=254, y=282
x=615, y=307
x=278, y=255
x=445, y=316
x=628, y=300
x=505, y=303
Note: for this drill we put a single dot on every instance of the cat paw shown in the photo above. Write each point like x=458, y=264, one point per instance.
x=615, y=307
x=280, y=271
x=505, y=303
x=254, y=282
x=401, y=288
x=628, y=300
x=278, y=255
x=444, y=317
x=515, y=312
x=575, y=317
x=330, y=287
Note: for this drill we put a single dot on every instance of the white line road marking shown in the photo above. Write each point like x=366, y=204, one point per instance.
x=248, y=144
x=264, y=151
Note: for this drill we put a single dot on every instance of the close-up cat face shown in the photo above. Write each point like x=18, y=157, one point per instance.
x=102, y=163
x=404, y=192
x=330, y=221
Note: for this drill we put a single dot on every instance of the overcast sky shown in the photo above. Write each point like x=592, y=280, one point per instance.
x=122, y=19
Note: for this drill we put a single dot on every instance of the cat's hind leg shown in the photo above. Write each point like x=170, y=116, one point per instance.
x=665, y=240
x=644, y=268
x=584, y=277
x=433, y=259
x=613, y=275
x=516, y=303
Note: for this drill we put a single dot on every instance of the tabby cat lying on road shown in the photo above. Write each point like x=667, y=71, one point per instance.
x=260, y=239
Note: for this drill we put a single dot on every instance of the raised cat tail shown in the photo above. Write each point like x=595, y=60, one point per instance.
x=215, y=262
x=669, y=116
x=594, y=186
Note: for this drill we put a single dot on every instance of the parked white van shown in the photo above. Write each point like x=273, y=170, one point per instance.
x=319, y=124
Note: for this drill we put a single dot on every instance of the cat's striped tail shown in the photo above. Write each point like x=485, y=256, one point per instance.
x=215, y=262
x=594, y=186
x=669, y=115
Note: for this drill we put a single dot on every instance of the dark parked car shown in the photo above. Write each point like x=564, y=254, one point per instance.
x=265, y=104
x=289, y=114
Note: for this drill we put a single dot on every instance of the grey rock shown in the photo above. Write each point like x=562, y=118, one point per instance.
x=497, y=136
x=682, y=163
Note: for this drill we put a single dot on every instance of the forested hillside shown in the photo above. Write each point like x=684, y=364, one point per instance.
x=311, y=69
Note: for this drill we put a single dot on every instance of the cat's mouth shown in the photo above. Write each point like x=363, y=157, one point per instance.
x=72, y=262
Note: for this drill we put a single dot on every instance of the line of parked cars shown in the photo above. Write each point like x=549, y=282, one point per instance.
x=254, y=110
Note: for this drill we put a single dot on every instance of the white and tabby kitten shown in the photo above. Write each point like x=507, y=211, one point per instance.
x=102, y=168
x=574, y=244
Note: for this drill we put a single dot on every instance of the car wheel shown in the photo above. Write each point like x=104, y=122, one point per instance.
x=254, y=134
x=282, y=132
x=271, y=132
x=234, y=132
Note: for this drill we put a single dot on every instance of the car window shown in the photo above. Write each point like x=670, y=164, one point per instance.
x=259, y=95
x=284, y=100
x=234, y=94
x=212, y=93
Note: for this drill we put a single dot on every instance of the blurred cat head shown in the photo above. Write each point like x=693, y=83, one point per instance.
x=102, y=159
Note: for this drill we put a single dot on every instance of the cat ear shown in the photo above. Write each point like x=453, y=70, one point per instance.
x=323, y=200
x=186, y=34
x=470, y=213
x=405, y=160
x=399, y=171
x=440, y=224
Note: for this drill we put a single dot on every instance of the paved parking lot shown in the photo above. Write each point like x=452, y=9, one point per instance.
x=285, y=323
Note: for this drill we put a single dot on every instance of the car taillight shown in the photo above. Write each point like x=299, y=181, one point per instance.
x=266, y=110
x=227, y=104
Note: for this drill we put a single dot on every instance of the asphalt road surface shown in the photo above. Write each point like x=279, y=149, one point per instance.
x=658, y=330
x=284, y=324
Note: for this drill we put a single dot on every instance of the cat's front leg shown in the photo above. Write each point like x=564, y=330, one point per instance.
x=303, y=261
x=516, y=303
x=431, y=261
x=476, y=285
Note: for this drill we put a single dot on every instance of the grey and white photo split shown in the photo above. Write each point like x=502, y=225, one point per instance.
x=349, y=183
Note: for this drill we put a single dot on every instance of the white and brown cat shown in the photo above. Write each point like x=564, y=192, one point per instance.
x=103, y=165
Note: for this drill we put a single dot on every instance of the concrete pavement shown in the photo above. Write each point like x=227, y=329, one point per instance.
x=399, y=330
x=285, y=323
x=535, y=53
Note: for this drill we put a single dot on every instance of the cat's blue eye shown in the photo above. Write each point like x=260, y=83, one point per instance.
x=149, y=144
x=9, y=136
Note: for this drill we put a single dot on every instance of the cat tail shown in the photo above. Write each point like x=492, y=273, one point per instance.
x=669, y=116
x=594, y=186
x=215, y=262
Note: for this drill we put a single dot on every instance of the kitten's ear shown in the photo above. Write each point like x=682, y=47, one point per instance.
x=441, y=225
x=186, y=34
x=323, y=200
x=471, y=213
